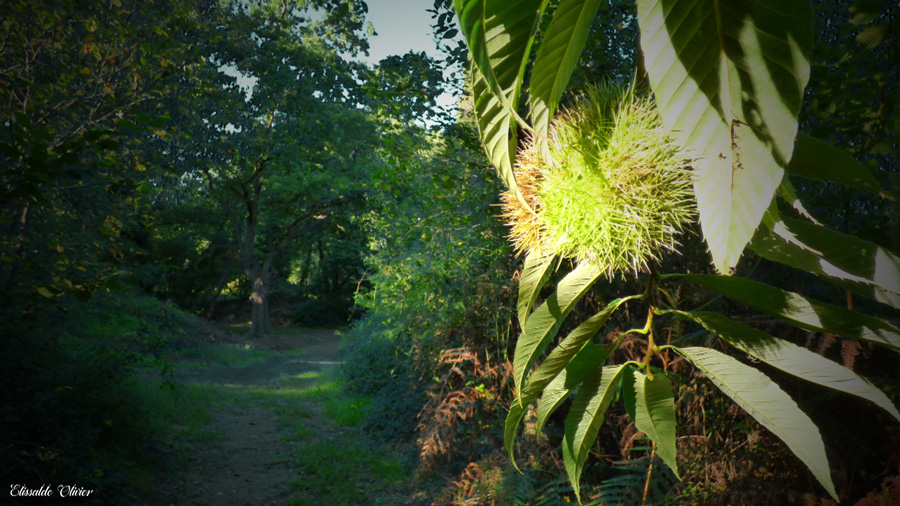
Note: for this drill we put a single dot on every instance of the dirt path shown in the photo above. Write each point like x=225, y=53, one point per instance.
x=250, y=463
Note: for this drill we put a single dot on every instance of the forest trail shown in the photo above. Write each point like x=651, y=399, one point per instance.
x=249, y=459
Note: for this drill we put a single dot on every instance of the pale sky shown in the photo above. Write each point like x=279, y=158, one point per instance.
x=401, y=25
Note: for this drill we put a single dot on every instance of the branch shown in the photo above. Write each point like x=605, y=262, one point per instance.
x=291, y=235
x=260, y=165
x=78, y=186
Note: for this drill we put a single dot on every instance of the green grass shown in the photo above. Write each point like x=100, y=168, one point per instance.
x=290, y=399
x=354, y=474
x=337, y=466
x=343, y=469
x=183, y=410
x=223, y=354
x=347, y=410
x=343, y=409
x=336, y=463
x=297, y=431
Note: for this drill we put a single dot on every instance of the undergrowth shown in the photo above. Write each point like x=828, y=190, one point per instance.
x=87, y=396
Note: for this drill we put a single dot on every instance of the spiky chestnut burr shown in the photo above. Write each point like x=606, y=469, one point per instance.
x=616, y=191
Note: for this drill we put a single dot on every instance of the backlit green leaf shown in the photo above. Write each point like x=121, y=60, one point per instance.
x=802, y=312
x=791, y=358
x=819, y=160
x=513, y=419
x=46, y=293
x=499, y=34
x=543, y=324
x=553, y=397
x=535, y=272
x=729, y=77
x=762, y=399
x=509, y=27
x=629, y=396
x=849, y=262
x=558, y=361
x=589, y=359
x=654, y=414
x=585, y=418
x=872, y=36
x=494, y=122
x=563, y=353
x=556, y=60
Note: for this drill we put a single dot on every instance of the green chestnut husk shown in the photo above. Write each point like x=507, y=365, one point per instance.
x=613, y=189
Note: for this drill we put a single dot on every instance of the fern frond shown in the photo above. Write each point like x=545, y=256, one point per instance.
x=626, y=488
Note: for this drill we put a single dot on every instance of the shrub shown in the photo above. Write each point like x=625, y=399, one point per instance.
x=324, y=311
x=374, y=366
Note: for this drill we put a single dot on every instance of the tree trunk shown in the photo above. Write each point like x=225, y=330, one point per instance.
x=304, y=270
x=262, y=275
x=895, y=236
x=19, y=228
x=261, y=278
x=219, y=287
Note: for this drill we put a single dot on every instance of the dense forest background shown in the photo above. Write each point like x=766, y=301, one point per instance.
x=175, y=170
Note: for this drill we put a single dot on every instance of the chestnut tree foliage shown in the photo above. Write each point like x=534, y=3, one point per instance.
x=729, y=80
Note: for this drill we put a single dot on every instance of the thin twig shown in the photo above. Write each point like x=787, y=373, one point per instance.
x=649, y=473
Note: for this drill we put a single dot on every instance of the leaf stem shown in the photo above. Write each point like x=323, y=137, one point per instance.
x=651, y=345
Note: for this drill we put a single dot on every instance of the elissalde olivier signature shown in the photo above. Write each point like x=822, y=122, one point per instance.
x=48, y=491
